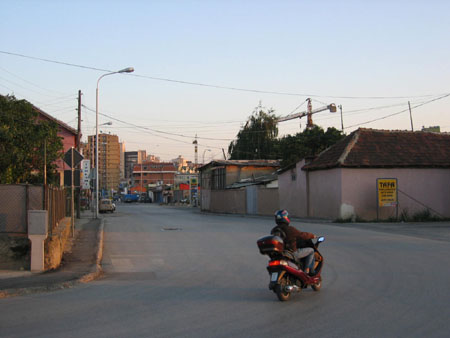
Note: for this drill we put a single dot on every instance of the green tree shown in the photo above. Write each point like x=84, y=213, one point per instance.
x=24, y=143
x=257, y=139
x=310, y=142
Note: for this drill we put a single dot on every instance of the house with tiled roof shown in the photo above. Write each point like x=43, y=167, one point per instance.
x=68, y=137
x=341, y=182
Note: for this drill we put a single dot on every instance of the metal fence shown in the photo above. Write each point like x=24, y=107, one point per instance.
x=17, y=199
x=56, y=204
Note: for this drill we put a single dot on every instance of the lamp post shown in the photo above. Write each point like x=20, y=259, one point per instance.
x=125, y=70
x=204, y=151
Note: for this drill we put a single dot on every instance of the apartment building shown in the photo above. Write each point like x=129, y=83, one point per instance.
x=109, y=160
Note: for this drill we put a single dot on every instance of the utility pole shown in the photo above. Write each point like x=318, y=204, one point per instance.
x=310, y=124
x=410, y=116
x=196, y=150
x=78, y=145
x=342, y=121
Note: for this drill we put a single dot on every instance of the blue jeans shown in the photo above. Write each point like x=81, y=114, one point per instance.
x=308, y=254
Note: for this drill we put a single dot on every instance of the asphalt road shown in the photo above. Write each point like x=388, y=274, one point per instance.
x=175, y=272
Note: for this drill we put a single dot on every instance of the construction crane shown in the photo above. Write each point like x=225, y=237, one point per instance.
x=331, y=107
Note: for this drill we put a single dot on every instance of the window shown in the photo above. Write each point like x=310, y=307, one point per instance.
x=218, y=179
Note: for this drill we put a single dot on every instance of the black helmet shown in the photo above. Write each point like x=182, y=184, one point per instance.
x=282, y=217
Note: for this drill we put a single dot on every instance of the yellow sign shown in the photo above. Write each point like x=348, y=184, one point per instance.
x=387, y=192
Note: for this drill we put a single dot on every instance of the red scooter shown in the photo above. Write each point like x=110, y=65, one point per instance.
x=286, y=273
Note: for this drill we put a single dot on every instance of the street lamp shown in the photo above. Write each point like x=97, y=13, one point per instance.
x=125, y=70
x=204, y=151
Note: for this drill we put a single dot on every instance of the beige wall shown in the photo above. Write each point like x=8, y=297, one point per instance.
x=268, y=201
x=234, y=201
x=236, y=173
x=228, y=201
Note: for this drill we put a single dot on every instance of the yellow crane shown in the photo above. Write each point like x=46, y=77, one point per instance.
x=331, y=107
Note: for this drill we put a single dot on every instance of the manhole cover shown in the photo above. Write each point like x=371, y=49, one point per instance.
x=171, y=229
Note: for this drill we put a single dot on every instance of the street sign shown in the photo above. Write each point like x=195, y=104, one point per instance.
x=77, y=157
x=68, y=178
x=86, y=172
x=387, y=192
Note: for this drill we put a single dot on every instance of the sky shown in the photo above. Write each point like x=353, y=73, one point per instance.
x=203, y=67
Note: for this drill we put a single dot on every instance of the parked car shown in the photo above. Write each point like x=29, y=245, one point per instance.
x=128, y=198
x=106, y=205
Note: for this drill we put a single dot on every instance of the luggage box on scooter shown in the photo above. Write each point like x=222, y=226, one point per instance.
x=270, y=244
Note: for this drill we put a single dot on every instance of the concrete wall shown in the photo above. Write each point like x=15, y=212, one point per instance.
x=418, y=189
x=324, y=193
x=268, y=201
x=228, y=201
x=292, y=192
x=235, y=201
x=205, y=199
x=54, y=245
x=345, y=193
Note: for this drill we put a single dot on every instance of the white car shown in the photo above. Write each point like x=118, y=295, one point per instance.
x=106, y=205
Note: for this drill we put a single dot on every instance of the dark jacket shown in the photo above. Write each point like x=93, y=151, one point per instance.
x=295, y=239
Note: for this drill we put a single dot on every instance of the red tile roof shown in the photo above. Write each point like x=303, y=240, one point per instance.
x=46, y=116
x=370, y=148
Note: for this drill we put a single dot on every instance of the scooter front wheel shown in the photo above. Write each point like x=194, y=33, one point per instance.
x=280, y=290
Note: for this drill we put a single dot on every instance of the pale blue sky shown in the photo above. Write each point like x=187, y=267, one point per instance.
x=329, y=50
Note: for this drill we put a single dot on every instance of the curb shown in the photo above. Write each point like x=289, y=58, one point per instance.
x=96, y=272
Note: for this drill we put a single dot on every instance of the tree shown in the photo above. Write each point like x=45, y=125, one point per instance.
x=24, y=143
x=310, y=142
x=257, y=139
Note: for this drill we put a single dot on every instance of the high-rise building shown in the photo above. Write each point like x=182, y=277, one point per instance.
x=122, y=160
x=108, y=160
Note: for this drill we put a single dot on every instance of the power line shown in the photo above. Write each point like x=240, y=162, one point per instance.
x=212, y=85
x=152, y=131
x=390, y=115
x=31, y=83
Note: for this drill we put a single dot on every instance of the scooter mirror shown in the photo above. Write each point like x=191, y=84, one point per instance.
x=320, y=239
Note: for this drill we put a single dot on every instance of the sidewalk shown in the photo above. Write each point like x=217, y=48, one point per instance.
x=80, y=264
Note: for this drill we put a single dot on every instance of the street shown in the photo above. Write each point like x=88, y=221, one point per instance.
x=176, y=272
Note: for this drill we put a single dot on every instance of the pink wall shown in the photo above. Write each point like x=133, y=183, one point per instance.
x=343, y=192
x=325, y=191
x=429, y=187
x=292, y=193
x=68, y=140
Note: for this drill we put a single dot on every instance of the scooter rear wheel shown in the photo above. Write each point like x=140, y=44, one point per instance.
x=280, y=290
x=318, y=285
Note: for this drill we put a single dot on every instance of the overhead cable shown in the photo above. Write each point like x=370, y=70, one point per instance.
x=214, y=86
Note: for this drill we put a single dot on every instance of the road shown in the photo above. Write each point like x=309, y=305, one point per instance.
x=176, y=272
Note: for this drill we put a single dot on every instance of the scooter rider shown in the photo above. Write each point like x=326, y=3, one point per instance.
x=295, y=240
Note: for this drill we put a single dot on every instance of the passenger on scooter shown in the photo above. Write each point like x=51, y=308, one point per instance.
x=295, y=240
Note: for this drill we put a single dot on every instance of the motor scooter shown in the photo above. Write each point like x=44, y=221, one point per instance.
x=286, y=272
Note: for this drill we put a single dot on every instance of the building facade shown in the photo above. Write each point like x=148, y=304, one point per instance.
x=219, y=191
x=152, y=174
x=69, y=140
x=342, y=181
x=131, y=158
x=109, y=161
